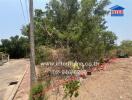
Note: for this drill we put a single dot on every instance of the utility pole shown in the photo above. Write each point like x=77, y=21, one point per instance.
x=32, y=50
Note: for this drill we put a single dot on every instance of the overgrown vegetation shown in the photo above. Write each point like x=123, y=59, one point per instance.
x=71, y=89
x=37, y=92
x=68, y=30
x=125, y=49
x=77, y=26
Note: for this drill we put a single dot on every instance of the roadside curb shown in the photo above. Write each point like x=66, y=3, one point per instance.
x=14, y=91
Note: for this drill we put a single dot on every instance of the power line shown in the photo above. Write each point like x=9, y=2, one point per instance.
x=23, y=11
x=27, y=7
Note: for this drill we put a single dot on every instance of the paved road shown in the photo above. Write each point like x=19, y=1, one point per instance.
x=11, y=71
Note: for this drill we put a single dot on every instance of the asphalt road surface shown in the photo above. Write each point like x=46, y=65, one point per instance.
x=10, y=72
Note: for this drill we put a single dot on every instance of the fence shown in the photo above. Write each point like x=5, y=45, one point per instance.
x=3, y=58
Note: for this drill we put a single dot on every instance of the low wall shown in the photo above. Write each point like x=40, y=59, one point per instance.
x=3, y=58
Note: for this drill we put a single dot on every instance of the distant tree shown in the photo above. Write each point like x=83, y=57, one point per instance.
x=1, y=48
x=16, y=46
x=126, y=46
x=126, y=43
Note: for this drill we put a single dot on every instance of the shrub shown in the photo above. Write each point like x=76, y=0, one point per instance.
x=37, y=92
x=113, y=53
x=122, y=54
x=71, y=89
x=44, y=54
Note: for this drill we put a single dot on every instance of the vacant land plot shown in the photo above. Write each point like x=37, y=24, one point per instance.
x=115, y=83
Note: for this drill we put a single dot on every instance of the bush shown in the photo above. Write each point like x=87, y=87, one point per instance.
x=113, y=53
x=71, y=89
x=122, y=54
x=44, y=54
x=126, y=46
x=37, y=92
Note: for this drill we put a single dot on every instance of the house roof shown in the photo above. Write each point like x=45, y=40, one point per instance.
x=117, y=8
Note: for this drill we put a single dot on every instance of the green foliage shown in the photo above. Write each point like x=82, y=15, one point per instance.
x=71, y=89
x=37, y=92
x=125, y=49
x=37, y=89
x=16, y=47
x=43, y=54
x=126, y=46
x=78, y=26
x=113, y=53
x=122, y=54
x=84, y=31
x=1, y=48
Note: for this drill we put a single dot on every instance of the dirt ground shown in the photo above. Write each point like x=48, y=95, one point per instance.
x=115, y=83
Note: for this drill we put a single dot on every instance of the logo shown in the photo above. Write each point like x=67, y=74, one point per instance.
x=117, y=11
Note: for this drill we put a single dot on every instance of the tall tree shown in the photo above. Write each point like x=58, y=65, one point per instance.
x=78, y=25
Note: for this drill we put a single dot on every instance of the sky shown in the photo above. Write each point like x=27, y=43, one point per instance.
x=12, y=18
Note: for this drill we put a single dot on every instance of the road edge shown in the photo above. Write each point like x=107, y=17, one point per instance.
x=14, y=91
